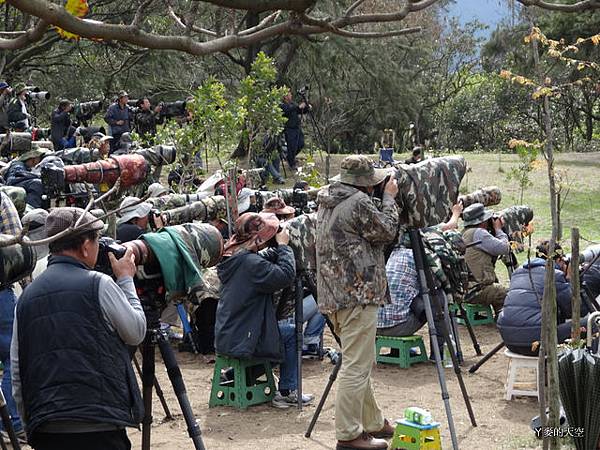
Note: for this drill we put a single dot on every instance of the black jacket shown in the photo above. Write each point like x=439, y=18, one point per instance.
x=72, y=366
x=146, y=121
x=521, y=318
x=59, y=127
x=246, y=325
x=14, y=112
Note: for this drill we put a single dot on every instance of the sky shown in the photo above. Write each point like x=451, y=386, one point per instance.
x=488, y=12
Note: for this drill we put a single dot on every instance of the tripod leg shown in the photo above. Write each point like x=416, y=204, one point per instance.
x=148, y=375
x=157, y=388
x=14, y=441
x=463, y=314
x=482, y=361
x=332, y=378
x=451, y=325
x=179, y=387
x=299, y=337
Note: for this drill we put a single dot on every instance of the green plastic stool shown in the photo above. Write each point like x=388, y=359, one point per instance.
x=477, y=314
x=403, y=345
x=412, y=436
x=245, y=390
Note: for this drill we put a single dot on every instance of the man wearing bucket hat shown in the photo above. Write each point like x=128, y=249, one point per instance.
x=481, y=257
x=157, y=190
x=5, y=96
x=74, y=385
x=351, y=282
x=278, y=207
x=20, y=174
x=246, y=325
x=17, y=109
x=134, y=219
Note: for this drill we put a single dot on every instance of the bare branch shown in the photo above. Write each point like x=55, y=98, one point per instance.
x=138, y=18
x=582, y=5
x=265, y=5
x=267, y=21
x=181, y=24
x=352, y=7
x=27, y=37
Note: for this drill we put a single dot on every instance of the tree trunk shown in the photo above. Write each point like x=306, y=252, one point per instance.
x=549, y=337
x=576, y=298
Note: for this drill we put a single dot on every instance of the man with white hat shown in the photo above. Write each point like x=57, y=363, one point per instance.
x=134, y=219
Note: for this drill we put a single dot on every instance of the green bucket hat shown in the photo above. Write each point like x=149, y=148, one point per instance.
x=358, y=170
x=34, y=153
x=20, y=87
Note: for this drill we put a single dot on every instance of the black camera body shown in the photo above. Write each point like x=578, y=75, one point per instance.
x=108, y=245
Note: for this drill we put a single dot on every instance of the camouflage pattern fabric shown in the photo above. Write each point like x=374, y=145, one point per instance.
x=15, y=143
x=303, y=240
x=172, y=201
x=78, y=155
x=17, y=195
x=444, y=255
x=16, y=261
x=515, y=218
x=204, y=242
x=350, y=240
x=205, y=210
x=428, y=190
x=488, y=196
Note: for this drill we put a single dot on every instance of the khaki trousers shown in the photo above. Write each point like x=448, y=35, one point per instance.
x=493, y=294
x=355, y=407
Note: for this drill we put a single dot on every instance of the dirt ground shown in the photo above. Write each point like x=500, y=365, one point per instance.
x=501, y=424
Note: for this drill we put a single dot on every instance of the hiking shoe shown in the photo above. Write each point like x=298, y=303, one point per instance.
x=311, y=351
x=291, y=399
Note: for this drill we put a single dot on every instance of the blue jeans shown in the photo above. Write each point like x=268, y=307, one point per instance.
x=271, y=168
x=315, y=321
x=7, y=317
x=288, y=369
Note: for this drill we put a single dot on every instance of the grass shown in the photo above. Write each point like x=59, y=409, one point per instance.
x=581, y=206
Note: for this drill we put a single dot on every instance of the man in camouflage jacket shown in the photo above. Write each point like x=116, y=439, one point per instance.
x=351, y=284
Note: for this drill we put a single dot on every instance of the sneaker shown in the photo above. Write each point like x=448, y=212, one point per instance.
x=311, y=351
x=290, y=400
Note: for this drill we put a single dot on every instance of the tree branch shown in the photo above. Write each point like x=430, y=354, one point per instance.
x=28, y=37
x=583, y=5
x=182, y=24
x=265, y=5
x=138, y=18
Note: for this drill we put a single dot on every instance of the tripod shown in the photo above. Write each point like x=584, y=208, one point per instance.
x=155, y=336
x=425, y=280
x=7, y=423
x=317, y=130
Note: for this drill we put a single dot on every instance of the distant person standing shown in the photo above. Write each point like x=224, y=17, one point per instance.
x=60, y=124
x=118, y=117
x=5, y=96
x=18, y=116
x=147, y=118
x=292, y=131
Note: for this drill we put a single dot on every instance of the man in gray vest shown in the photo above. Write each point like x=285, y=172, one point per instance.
x=72, y=377
x=481, y=258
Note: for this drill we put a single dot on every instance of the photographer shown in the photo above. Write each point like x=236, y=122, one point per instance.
x=118, y=118
x=520, y=321
x=250, y=274
x=417, y=156
x=72, y=375
x=17, y=108
x=146, y=119
x=20, y=173
x=481, y=258
x=60, y=125
x=134, y=219
x=269, y=160
x=292, y=131
x=5, y=96
x=351, y=282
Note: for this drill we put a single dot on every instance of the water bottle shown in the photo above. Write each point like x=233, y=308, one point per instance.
x=418, y=415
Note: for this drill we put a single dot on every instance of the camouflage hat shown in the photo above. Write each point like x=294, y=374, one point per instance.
x=276, y=205
x=156, y=190
x=476, y=214
x=358, y=170
x=251, y=230
x=60, y=219
x=34, y=153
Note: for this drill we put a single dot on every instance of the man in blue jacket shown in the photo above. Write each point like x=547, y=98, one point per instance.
x=246, y=325
x=118, y=117
x=520, y=321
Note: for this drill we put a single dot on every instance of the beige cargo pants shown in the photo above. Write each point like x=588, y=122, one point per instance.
x=355, y=407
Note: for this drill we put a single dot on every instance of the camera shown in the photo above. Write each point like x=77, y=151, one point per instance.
x=108, y=245
x=38, y=96
x=173, y=109
x=86, y=110
x=159, y=154
x=304, y=90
